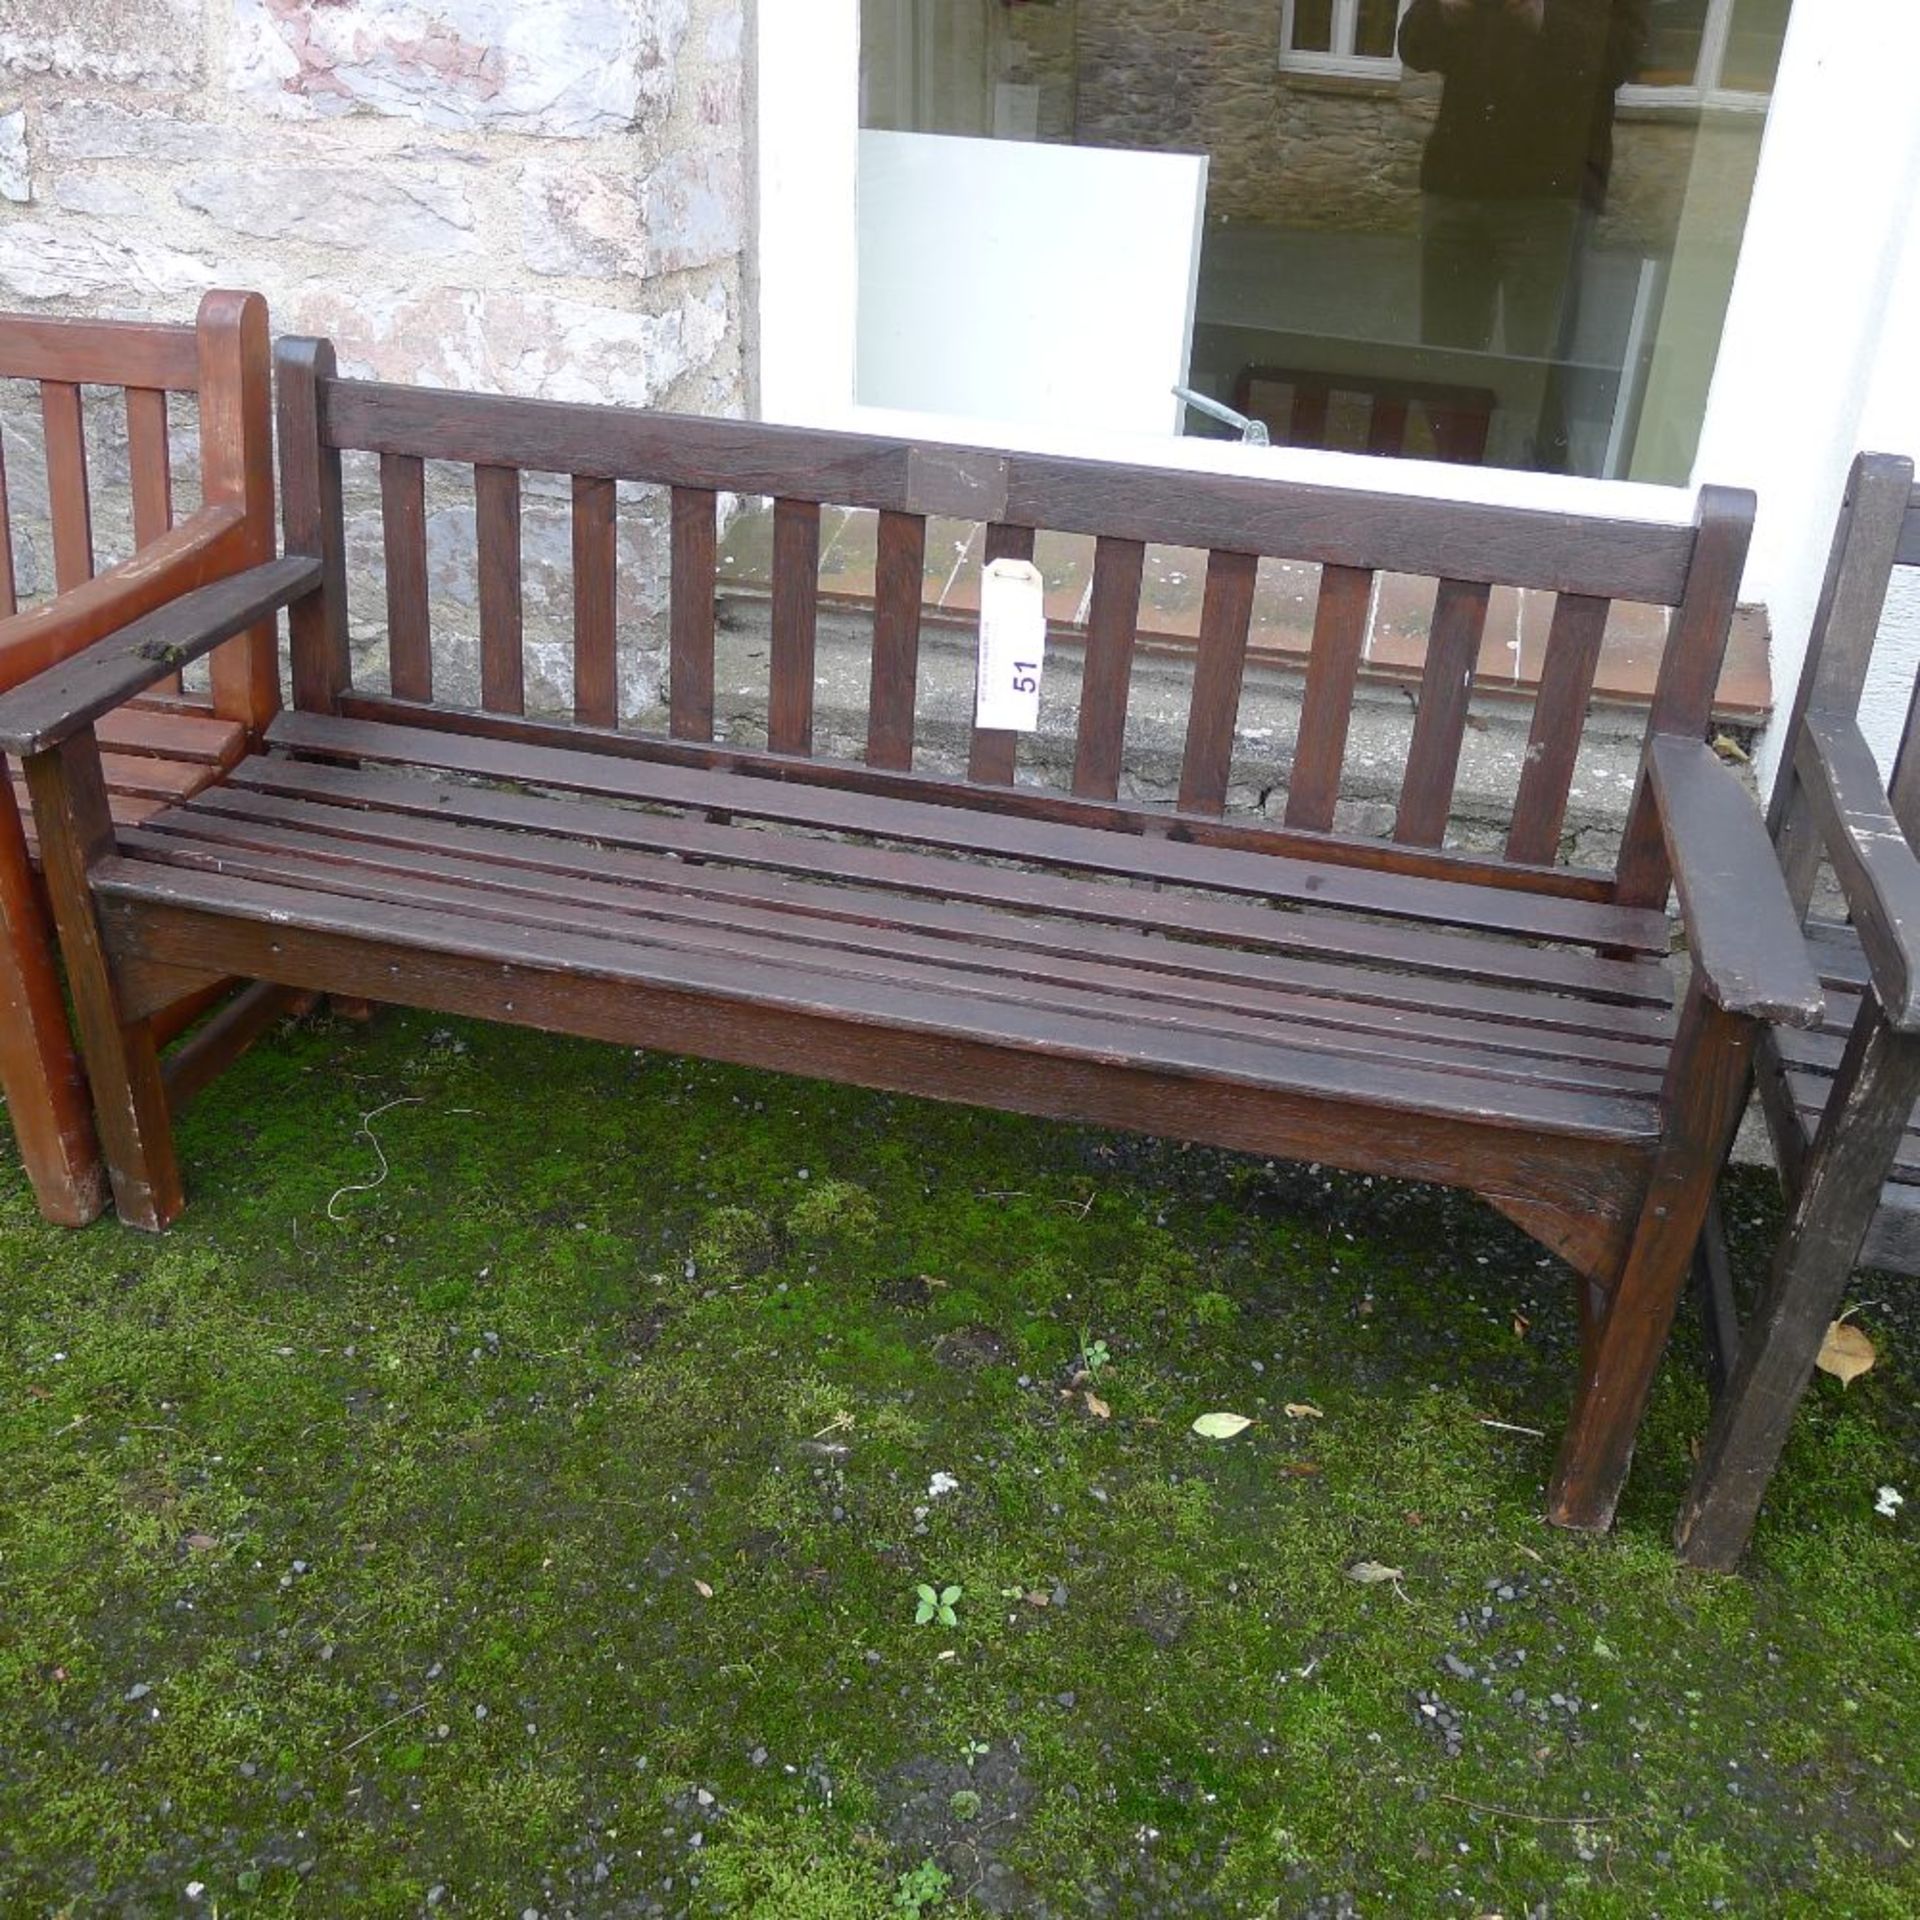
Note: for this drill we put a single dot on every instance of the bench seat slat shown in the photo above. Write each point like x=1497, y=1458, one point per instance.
x=854, y=952
x=1573, y=991
x=1031, y=949
x=1321, y=885
x=887, y=1003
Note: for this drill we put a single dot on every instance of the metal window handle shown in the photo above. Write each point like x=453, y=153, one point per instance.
x=1253, y=433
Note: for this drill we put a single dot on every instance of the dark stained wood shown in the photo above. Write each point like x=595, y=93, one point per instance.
x=65, y=701
x=149, y=468
x=67, y=500
x=99, y=353
x=1878, y=1084
x=123, y=1067
x=1511, y=546
x=796, y=600
x=310, y=502
x=9, y=599
x=1705, y=1090
x=1559, y=719
x=496, y=492
x=1207, y=830
x=1226, y=613
x=403, y=525
x=993, y=751
x=596, y=666
x=1689, y=671
x=1340, y=621
x=1433, y=759
x=1113, y=618
x=200, y=1059
x=899, y=566
x=1746, y=942
x=690, y=666
x=1870, y=856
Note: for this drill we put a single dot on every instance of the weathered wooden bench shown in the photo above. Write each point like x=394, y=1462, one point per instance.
x=170, y=744
x=1840, y=1098
x=1499, y=1023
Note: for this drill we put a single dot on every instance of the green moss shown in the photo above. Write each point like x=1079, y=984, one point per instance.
x=468, y=1540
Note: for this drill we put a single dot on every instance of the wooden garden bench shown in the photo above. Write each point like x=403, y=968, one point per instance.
x=1840, y=1098
x=170, y=744
x=1501, y=1023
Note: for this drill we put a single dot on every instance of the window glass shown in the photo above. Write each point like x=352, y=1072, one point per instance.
x=1753, y=45
x=1494, y=232
x=1313, y=26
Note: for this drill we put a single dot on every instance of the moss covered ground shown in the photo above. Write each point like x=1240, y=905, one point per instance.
x=540, y=1531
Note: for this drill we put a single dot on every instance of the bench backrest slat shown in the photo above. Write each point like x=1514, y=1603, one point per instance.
x=1226, y=618
x=1559, y=718
x=68, y=504
x=1006, y=501
x=1106, y=675
x=1440, y=724
x=796, y=611
x=149, y=464
x=1340, y=622
x=596, y=625
x=694, y=561
x=403, y=525
x=1904, y=788
x=9, y=597
x=900, y=561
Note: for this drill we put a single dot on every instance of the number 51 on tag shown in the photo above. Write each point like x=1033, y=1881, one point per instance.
x=1013, y=646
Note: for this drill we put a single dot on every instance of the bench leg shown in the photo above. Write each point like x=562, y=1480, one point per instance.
x=1705, y=1085
x=40, y=1074
x=1874, y=1092
x=122, y=1057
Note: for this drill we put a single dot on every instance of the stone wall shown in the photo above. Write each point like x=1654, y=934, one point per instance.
x=541, y=197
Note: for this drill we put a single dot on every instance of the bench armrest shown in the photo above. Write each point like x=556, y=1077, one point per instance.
x=69, y=697
x=1871, y=859
x=1743, y=933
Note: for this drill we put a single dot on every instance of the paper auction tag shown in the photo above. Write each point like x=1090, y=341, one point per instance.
x=1013, y=646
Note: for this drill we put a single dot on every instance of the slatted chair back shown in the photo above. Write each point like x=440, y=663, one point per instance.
x=1368, y=413
x=223, y=361
x=1354, y=537
x=1878, y=531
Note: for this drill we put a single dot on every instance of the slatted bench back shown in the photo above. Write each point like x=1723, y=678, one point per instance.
x=1354, y=538
x=1878, y=531
x=222, y=360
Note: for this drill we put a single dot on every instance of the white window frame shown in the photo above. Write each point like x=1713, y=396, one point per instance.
x=1342, y=59
x=1706, y=89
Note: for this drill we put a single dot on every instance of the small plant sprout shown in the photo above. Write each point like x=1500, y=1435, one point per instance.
x=973, y=1752
x=1093, y=1354
x=926, y=1886
x=936, y=1606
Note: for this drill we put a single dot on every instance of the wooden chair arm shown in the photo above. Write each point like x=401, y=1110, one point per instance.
x=1871, y=859
x=70, y=697
x=1741, y=928
x=201, y=548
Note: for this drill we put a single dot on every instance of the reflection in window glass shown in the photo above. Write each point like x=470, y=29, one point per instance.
x=1502, y=247
x=1754, y=38
x=1374, y=27
x=1676, y=37
x=1312, y=26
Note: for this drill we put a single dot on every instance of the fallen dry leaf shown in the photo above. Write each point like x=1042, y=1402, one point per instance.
x=703, y=1590
x=1300, y=1410
x=1846, y=1353
x=202, y=1542
x=1300, y=1469
x=1098, y=1407
x=1039, y=1597
x=1221, y=1426
x=1372, y=1573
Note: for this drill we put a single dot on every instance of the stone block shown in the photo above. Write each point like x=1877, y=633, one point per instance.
x=16, y=182
x=580, y=225
x=410, y=212
x=695, y=209
x=567, y=68
x=125, y=42
x=84, y=130
x=118, y=271
x=513, y=342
